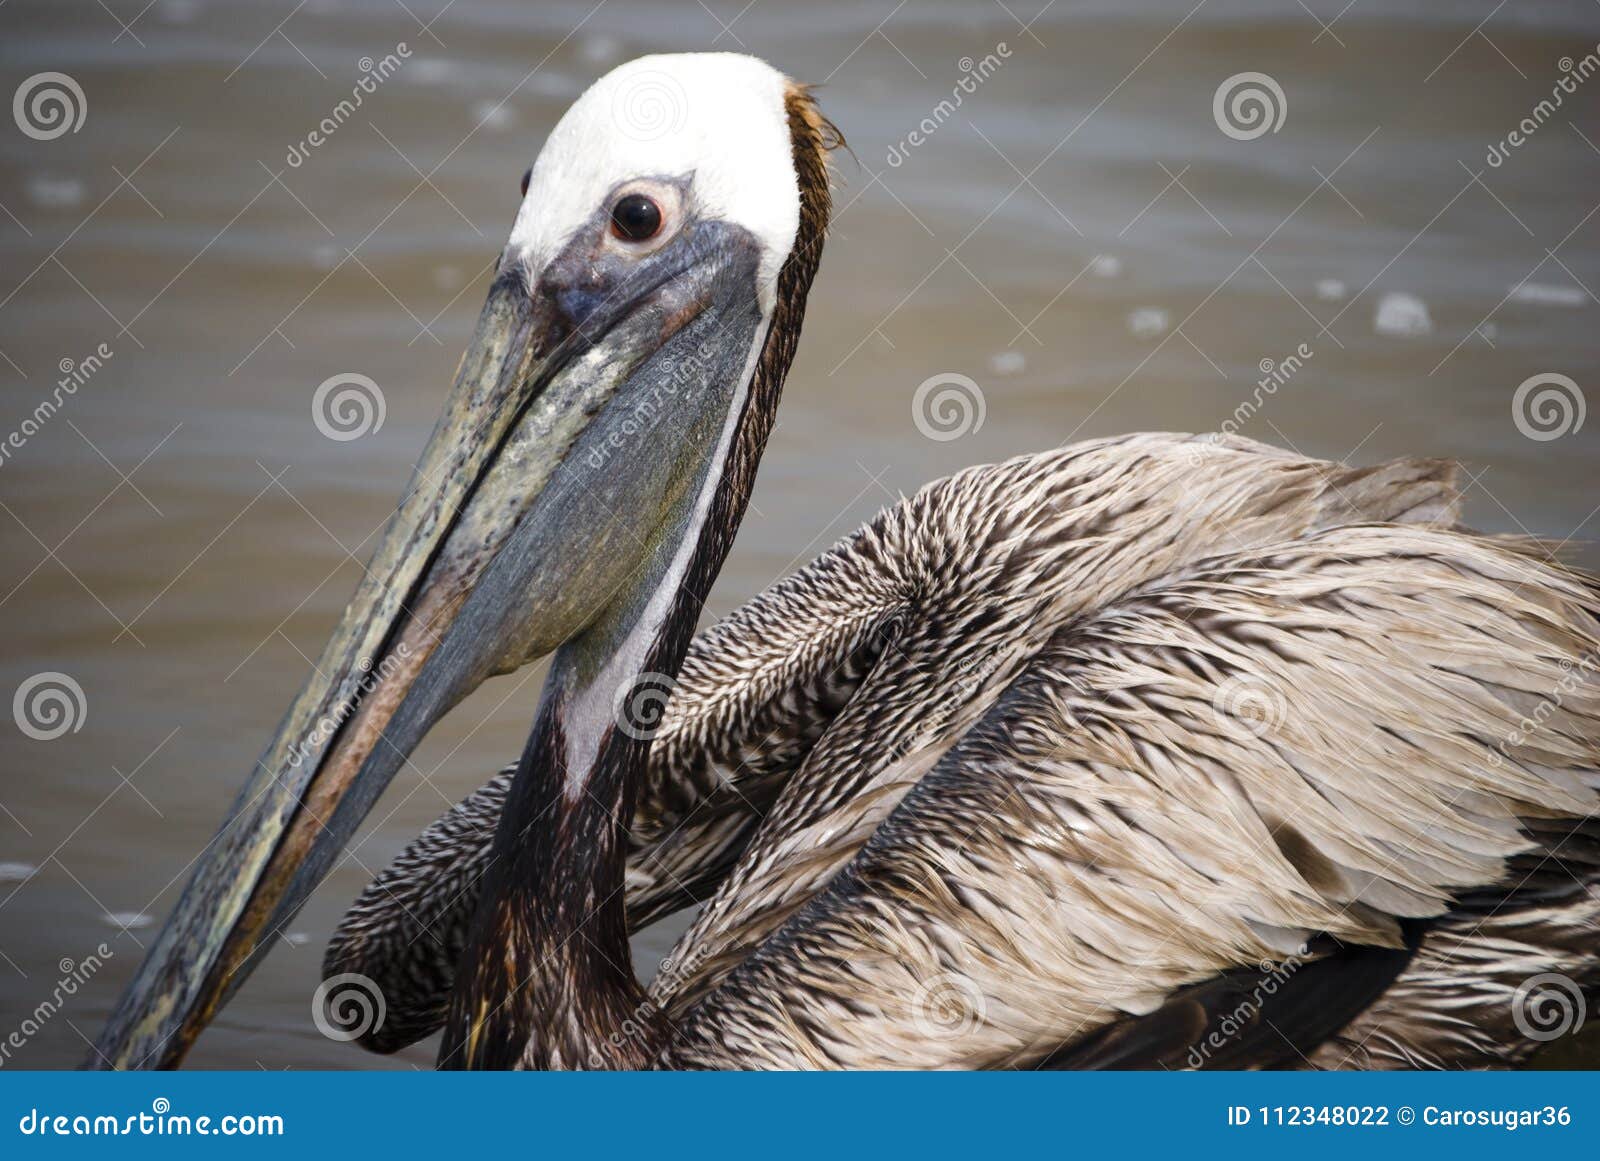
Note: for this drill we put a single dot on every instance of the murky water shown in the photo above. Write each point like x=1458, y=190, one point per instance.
x=1080, y=237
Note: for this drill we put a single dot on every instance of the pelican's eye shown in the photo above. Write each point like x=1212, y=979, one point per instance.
x=527, y=176
x=635, y=218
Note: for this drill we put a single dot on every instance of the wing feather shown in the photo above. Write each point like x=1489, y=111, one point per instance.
x=1265, y=751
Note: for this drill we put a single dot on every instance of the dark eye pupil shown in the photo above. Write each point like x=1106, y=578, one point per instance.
x=635, y=218
x=527, y=176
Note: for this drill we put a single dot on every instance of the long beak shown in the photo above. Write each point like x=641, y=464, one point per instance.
x=506, y=544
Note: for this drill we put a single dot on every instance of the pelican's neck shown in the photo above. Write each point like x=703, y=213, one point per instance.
x=546, y=979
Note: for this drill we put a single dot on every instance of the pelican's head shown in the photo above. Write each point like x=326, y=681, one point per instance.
x=659, y=151
x=608, y=413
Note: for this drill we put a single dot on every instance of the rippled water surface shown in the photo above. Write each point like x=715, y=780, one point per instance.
x=1080, y=238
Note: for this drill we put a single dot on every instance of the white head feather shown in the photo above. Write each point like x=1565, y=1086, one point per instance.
x=718, y=116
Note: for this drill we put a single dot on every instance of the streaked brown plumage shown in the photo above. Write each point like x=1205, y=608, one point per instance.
x=1044, y=763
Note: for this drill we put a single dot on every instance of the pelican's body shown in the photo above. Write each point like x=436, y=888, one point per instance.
x=1058, y=739
x=1154, y=751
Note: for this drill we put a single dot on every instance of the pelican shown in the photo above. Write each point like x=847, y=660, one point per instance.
x=1151, y=751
